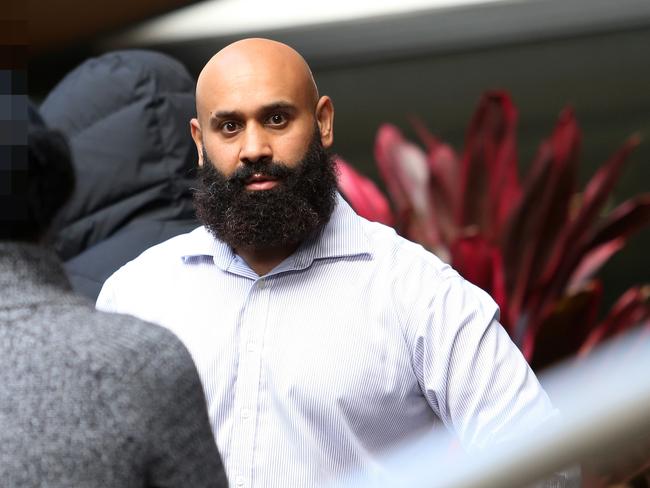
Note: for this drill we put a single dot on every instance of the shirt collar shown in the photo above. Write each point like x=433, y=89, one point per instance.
x=342, y=236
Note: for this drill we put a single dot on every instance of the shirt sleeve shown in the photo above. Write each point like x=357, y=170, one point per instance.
x=469, y=370
x=126, y=292
x=106, y=300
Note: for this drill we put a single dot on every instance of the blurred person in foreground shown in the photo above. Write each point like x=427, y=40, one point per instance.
x=86, y=398
x=322, y=339
x=125, y=116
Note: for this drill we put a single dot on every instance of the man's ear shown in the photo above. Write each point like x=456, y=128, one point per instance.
x=195, y=128
x=325, y=120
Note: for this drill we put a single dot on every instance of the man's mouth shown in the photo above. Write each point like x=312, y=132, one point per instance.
x=260, y=182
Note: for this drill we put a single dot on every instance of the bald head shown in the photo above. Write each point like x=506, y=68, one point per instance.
x=262, y=60
x=256, y=100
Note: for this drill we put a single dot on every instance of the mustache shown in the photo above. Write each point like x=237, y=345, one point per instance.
x=272, y=169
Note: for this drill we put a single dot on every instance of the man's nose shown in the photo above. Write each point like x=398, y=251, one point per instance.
x=255, y=145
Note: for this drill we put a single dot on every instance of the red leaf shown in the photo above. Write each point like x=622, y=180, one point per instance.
x=443, y=161
x=560, y=332
x=428, y=139
x=388, y=137
x=573, y=241
x=566, y=144
x=623, y=221
x=472, y=257
x=443, y=184
x=602, y=183
x=362, y=194
x=479, y=262
x=404, y=168
x=505, y=189
x=631, y=309
x=610, y=236
x=534, y=228
x=518, y=239
x=489, y=167
x=592, y=262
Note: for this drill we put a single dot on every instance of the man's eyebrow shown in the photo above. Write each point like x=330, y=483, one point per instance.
x=281, y=105
x=225, y=114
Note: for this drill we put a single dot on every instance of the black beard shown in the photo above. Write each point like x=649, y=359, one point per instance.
x=297, y=207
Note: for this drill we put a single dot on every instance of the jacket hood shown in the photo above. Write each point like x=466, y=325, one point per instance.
x=126, y=115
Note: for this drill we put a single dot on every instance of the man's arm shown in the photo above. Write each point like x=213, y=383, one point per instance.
x=469, y=370
x=106, y=300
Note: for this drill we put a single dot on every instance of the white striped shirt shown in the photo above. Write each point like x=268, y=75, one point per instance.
x=354, y=343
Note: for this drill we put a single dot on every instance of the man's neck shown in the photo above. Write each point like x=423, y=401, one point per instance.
x=264, y=260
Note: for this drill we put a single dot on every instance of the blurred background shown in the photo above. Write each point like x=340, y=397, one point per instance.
x=382, y=61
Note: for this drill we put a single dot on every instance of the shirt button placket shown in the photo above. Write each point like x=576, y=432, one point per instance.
x=246, y=405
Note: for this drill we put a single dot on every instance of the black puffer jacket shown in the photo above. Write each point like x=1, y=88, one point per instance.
x=126, y=115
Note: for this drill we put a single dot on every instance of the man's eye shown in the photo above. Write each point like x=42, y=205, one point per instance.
x=277, y=119
x=229, y=127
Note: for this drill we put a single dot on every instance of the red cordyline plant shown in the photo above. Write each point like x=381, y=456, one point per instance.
x=535, y=245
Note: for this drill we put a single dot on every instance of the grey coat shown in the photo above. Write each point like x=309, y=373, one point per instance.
x=89, y=399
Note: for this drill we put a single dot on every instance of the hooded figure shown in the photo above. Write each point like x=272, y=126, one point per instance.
x=126, y=117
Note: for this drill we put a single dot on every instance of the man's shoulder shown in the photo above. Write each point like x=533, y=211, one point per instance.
x=175, y=247
x=166, y=255
x=394, y=252
x=409, y=266
x=151, y=277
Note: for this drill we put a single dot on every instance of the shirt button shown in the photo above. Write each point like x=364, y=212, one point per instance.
x=261, y=284
x=240, y=480
x=245, y=413
x=251, y=347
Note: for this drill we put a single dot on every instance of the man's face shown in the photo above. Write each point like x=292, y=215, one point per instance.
x=261, y=135
x=256, y=113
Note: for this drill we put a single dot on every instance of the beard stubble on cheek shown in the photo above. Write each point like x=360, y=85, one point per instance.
x=297, y=207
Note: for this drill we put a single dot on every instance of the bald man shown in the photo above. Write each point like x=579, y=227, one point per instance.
x=322, y=339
